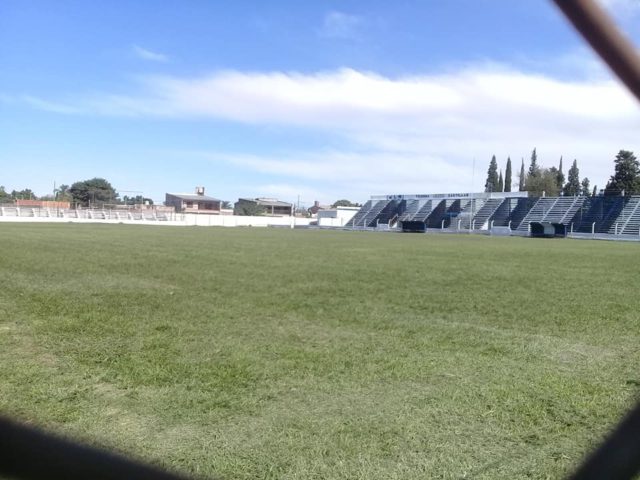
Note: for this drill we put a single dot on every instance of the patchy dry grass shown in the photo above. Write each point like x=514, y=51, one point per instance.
x=259, y=353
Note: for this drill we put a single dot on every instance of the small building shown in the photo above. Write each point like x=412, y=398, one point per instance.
x=336, y=217
x=193, y=203
x=313, y=210
x=263, y=206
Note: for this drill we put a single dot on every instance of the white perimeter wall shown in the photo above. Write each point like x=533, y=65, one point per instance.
x=336, y=217
x=242, y=221
x=189, y=219
x=332, y=222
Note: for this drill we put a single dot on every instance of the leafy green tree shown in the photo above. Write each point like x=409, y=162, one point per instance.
x=491, y=185
x=5, y=197
x=95, y=191
x=507, y=176
x=585, y=188
x=595, y=191
x=626, y=177
x=248, y=209
x=500, y=182
x=26, y=194
x=137, y=200
x=226, y=204
x=573, y=187
x=343, y=203
x=543, y=183
x=522, y=178
x=560, y=175
x=62, y=193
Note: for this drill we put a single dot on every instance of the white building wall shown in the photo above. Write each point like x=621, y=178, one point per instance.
x=243, y=221
x=187, y=219
x=336, y=217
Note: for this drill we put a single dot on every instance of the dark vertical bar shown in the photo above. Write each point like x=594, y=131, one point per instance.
x=618, y=458
x=29, y=454
x=597, y=28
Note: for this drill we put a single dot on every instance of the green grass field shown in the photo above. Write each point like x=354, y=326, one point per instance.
x=266, y=353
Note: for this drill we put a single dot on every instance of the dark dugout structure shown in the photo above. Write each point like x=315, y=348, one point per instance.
x=548, y=230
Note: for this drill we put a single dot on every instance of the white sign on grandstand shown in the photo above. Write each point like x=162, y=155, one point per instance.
x=451, y=195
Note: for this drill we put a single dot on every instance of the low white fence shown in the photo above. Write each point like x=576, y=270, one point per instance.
x=332, y=222
x=30, y=215
x=242, y=221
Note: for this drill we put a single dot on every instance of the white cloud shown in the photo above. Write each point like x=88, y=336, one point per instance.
x=622, y=6
x=341, y=25
x=53, y=107
x=145, y=54
x=352, y=99
x=410, y=134
x=625, y=13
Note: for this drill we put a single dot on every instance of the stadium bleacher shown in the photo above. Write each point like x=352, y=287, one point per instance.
x=85, y=214
x=424, y=212
x=434, y=219
x=468, y=212
x=609, y=216
x=389, y=211
x=411, y=207
x=480, y=212
x=598, y=214
x=356, y=220
x=628, y=220
x=537, y=212
x=481, y=219
x=552, y=209
x=369, y=219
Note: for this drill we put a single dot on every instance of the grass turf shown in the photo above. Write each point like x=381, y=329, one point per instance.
x=264, y=353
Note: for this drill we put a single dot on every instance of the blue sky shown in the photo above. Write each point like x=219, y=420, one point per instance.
x=321, y=100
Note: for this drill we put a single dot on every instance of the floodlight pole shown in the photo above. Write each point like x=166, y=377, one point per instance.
x=473, y=173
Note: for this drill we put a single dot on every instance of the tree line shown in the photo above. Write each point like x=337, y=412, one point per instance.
x=85, y=193
x=540, y=181
x=98, y=192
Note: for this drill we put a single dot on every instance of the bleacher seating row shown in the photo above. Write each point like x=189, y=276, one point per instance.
x=600, y=214
x=11, y=211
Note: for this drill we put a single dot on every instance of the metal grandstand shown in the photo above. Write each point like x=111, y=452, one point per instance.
x=608, y=216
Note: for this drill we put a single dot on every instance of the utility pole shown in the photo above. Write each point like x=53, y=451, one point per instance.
x=473, y=173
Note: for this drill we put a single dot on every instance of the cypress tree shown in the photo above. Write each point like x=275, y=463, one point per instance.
x=500, y=182
x=573, y=187
x=560, y=175
x=534, y=168
x=595, y=191
x=533, y=174
x=522, y=177
x=491, y=185
x=586, y=189
x=507, y=176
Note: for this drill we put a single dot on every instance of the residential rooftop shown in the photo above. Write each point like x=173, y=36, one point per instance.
x=194, y=197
